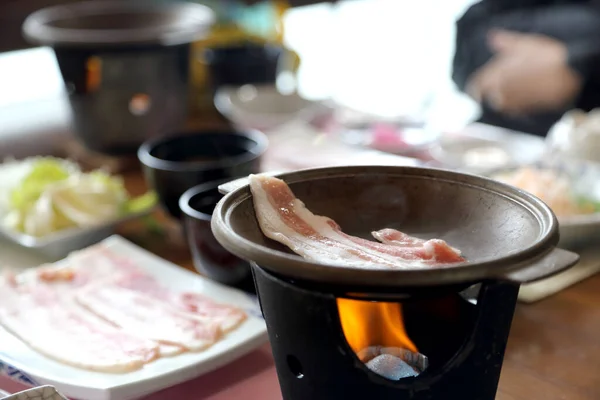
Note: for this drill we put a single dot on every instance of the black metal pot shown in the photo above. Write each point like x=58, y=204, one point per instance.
x=210, y=258
x=506, y=234
x=125, y=66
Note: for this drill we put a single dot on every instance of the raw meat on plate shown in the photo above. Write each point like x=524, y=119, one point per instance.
x=126, y=274
x=59, y=328
x=139, y=314
x=100, y=311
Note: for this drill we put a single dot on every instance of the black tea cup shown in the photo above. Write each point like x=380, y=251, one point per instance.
x=209, y=257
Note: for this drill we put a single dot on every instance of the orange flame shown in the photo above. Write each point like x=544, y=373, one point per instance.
x=369, y=323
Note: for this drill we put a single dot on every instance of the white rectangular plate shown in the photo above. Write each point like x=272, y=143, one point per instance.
x=21, y=363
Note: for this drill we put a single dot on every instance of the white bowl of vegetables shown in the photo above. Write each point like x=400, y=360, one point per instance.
x=50, y=205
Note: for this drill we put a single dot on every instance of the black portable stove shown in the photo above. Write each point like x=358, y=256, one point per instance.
x=508, y=237
x=464, y=340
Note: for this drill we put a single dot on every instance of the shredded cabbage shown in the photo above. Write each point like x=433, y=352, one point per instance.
x=56, y=195
x=44, y=172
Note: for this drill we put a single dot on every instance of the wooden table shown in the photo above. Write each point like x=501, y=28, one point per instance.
x=554, y=346
x=553, y=351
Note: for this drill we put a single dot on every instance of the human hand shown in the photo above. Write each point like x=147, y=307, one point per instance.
x=528, y=73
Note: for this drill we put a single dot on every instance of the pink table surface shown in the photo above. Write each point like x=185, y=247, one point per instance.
x=251, y=377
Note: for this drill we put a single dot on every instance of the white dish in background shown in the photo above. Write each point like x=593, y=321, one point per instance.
x=27, y=366
x=577, y=230
x=576, y=135
x=59, y=244
x=263, y=107
x=494, y=149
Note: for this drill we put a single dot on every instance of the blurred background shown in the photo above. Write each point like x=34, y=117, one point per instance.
x=390, y=58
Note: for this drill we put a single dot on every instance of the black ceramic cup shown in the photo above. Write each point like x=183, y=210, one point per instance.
x=246, y=63
x=174, y=164
x=209, y=257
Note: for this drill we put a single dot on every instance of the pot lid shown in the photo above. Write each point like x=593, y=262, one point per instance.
x=118, y=23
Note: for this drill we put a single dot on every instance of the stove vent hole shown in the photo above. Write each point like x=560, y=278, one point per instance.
x=295, y=366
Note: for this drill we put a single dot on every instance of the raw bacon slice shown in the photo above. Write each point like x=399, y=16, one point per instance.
x=193, y=304
x=438, y=249
x=87, y=266
x=284, y=218
x=104, y=264
x=60, y=329
x=397, y=238
x=143, y=315
x=200, y=306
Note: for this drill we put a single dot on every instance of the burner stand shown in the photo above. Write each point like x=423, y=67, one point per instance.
x=465, y=343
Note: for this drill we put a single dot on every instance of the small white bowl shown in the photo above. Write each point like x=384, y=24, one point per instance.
x=263, y=107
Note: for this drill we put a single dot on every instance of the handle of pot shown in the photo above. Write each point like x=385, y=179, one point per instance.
x=553, y=262
x=235, y=184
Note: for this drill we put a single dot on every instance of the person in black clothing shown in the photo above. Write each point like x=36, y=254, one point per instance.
x=529, y=61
